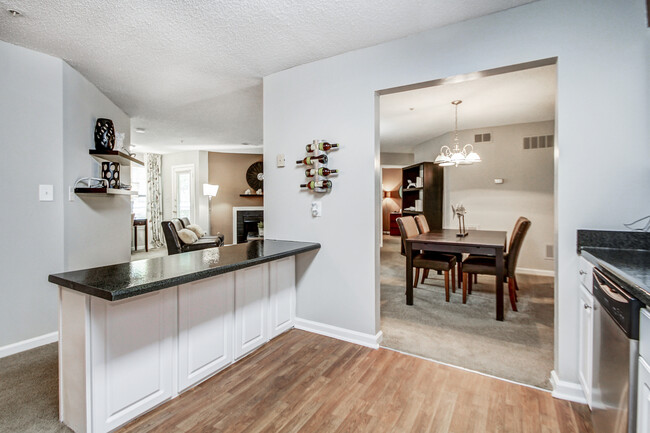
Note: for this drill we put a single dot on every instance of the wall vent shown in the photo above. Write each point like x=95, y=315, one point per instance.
x=538, y=142
x=485, y=137
x=550, y=252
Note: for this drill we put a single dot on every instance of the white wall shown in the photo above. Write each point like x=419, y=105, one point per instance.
x=393, y=158
x=31, y=144
x=602, y=49
x=527, y=189
x=199, y=159
x=97, y=229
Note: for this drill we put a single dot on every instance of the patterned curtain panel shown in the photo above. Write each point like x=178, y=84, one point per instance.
x=153, y=162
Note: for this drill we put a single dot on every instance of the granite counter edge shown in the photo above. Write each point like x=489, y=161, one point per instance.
x=175, y=281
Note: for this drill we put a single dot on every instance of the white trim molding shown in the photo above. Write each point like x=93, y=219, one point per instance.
x=538, y=272
x=31, y=343
x=368, y=340
x=567, y=390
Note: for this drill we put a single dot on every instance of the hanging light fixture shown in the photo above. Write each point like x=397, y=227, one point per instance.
x=457, y=156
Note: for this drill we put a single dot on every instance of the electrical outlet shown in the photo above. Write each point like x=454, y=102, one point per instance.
x=316, y=209
x=280, y=160
x=46, y=192
x=71, y=193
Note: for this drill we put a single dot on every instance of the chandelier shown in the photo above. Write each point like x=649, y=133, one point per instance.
x=457, y=156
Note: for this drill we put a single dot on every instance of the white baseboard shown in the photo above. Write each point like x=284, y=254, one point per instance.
x=350, y=336
x=21, y=346
x=567, y=390
x=539, y=272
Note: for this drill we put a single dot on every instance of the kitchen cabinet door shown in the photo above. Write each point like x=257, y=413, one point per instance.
x=282, y=296
x=585, y=353
x=205, y=334
x=251, y=309
x=132, y=356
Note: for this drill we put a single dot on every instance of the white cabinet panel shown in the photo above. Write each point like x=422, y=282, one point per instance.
x=585, y=353
x=131, y=351
x=251, y=308
x=644, y=334
x=205, y=314
x=282, y=295
x=586, y=271
x=643, y=400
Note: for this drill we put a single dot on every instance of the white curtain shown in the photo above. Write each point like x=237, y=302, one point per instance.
x=153, y=163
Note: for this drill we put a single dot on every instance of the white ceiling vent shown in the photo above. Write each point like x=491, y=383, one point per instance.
x=539, y=142
x=486, y=137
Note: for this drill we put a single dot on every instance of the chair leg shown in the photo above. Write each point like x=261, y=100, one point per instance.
x=453, y=279
x=514, y=280
x=425, y=275
x=460, y=273
x=447, y=286
x=516, y=285
x=469, y=283
x=513, y=294
x=476, y=278
x=417, y=276
x=439, y=272
x=466, y=281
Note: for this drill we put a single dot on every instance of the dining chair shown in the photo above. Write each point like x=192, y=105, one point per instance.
x=486, y=265
x=423, y=227
x=438, y=262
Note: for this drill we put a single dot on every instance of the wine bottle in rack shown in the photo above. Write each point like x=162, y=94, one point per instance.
x=323, y=145
x=319, y=184
x=321, y=171
x=311, y=160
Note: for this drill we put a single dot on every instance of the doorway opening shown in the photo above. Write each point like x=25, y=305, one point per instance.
x=183, y=191
x=508, y=118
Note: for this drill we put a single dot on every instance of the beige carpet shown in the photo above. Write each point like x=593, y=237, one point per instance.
x=519, y=348
x=29, y=388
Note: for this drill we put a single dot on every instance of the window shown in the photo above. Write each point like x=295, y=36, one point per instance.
x=139, y=184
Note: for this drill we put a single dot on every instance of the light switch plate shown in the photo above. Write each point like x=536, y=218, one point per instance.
x=46, y=192
x=498, y=181
x=280, y=160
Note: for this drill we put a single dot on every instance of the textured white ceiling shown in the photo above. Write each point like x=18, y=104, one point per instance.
x=515, y=97
x=191, y=70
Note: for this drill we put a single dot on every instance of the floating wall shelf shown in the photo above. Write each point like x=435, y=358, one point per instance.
x=251, y=195
x=113, y=156
x=104, y=191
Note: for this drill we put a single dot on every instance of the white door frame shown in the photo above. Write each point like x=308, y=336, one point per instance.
x=175, y=170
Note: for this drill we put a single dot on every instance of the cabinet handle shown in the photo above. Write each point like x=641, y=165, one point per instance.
x=587, y=307
x=582, y=272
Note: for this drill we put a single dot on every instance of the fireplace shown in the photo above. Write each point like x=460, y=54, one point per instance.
x=245, y=221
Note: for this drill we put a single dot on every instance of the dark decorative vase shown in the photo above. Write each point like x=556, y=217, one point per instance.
x=111, y=172
x=104, y=134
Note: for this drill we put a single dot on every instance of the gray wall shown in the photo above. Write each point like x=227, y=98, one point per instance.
x=527, y=189
x=47, y=117
x=31, y=143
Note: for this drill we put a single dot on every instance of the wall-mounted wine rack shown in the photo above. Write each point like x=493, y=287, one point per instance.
x=317, y=171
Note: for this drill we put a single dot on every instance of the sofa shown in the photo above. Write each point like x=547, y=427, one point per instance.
x=186, y=222
x=175, y=245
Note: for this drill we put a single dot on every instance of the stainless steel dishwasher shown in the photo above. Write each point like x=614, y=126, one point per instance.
x=616, y=353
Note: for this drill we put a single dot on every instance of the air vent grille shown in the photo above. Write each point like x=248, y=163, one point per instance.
x=538, y=142
x=485, y=137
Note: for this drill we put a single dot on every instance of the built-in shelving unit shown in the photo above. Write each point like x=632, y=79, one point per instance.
x=429, y=194
x=113, y=156
x=251, y=195
x=104, y=191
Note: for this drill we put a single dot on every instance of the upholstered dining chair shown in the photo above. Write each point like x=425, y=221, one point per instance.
x=423, y=227
x=486, y=265
x=438, y=262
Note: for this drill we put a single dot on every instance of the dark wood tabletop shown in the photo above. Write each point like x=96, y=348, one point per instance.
x=483, y=242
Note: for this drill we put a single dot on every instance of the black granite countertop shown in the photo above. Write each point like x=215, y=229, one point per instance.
x=624, y=256
x=125, y=280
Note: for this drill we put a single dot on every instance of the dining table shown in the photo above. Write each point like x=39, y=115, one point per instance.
x=481, y=242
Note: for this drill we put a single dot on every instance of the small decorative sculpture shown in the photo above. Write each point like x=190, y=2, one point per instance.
x=460, y=211
x=410, y=184
x=111, y=172
x=104, y=134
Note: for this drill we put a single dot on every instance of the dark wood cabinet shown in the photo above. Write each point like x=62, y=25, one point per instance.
x=428, y=192
x=394, y=228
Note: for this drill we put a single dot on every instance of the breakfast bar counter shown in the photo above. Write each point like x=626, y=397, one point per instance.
x=134, y=335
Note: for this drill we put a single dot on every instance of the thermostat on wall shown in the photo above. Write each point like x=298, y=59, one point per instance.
x=498, y=181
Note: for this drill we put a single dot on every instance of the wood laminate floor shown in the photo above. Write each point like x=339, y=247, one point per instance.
x=303, y=382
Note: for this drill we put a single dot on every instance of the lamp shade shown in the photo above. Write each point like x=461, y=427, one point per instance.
x=210, y=190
